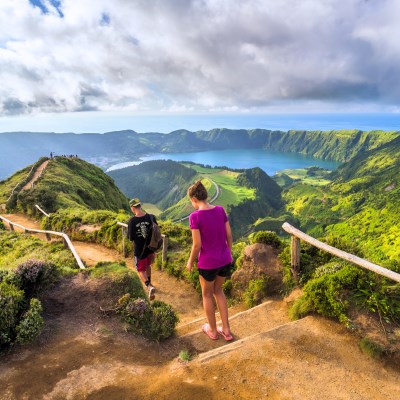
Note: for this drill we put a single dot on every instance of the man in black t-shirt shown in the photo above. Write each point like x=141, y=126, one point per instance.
x=139, y=231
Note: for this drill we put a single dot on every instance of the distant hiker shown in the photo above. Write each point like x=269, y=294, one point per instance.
x=212, y=244
x=51, y=155
x=139, y=231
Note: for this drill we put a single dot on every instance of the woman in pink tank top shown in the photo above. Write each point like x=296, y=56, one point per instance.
x=212, y=244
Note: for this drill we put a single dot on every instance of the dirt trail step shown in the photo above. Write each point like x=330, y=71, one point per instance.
x=311, y=358
x=246, y=323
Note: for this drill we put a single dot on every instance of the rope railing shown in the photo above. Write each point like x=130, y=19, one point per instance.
x=296, y=235
x=124, y=227
x=66, y=239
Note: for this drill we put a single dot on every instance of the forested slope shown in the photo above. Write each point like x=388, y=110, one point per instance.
x=360, y=206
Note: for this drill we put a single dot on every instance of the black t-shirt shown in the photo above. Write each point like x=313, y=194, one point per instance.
x=139, y=231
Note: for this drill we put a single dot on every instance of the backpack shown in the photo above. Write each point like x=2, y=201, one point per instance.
x=156, y=238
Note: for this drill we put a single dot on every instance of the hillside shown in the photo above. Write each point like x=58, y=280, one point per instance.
x=114, y=147
x=65, y=182
x=360, y=206
x=247, y=195
x=161, y=182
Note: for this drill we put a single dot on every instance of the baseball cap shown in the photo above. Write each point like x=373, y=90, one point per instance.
x=135, y=202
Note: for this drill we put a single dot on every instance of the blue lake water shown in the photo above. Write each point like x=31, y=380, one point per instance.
x=270, y=162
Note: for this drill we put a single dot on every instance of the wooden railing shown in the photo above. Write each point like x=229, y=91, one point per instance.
x=296, y=235
x=124, y=237
x=42, y=211
x=66, y=239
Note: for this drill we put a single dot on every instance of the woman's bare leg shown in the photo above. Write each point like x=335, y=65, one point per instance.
x=207, y=291
x=221, y=303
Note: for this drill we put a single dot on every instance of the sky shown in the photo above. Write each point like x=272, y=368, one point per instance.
x=65, y=64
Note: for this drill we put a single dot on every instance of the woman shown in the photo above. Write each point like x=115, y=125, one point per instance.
x=212, y=244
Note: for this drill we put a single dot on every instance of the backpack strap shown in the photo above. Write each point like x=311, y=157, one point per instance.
x=145, y=245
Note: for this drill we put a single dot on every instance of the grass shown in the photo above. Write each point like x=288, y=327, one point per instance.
x=151, y=208
x=231, y=193
x=371, y=348
x=319, y=179
x=9, y=184
x=16, y=248
x=184, y=355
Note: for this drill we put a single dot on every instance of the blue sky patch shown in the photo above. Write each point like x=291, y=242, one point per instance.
x=55, y=3
x=105, y=19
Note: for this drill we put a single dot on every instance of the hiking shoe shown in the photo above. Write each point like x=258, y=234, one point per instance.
x=152, y=291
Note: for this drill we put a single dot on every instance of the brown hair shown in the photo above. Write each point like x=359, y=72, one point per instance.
x=198, y=190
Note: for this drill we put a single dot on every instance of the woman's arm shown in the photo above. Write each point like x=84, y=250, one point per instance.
x=228, y=235
x=195, y=248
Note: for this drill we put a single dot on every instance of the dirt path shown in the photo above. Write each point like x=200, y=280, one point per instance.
x=83, y=354
x=36, y=175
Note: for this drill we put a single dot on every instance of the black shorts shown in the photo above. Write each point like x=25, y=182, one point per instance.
x=210, y=274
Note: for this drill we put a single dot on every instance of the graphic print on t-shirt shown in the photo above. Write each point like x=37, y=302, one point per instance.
x=142, y=229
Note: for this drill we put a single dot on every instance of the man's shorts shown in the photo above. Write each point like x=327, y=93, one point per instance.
x=210, y=274
x=144, y=263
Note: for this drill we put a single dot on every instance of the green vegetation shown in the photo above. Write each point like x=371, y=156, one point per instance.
x=69, y=182
x=97, y=226
x=20, y=310
x=360, y=205
x=10, y=187
x=372, y=348
x=156, y=321
x=256, y=291
x=120, y=280
x=161, y=182
x=314, y=176
x=16, y=249
x=185, y=356
x=270, y=238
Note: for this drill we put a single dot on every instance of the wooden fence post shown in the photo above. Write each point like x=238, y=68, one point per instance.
x=164, y=248
x=295, y=257
x=124, y=249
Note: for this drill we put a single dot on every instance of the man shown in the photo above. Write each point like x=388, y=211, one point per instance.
x=139, y=231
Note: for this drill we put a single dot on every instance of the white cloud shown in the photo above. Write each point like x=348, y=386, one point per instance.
x=199, y=55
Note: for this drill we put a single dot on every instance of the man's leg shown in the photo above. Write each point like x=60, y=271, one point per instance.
x=152, y=289
x=143, y=268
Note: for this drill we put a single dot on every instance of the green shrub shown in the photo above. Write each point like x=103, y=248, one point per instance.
x=371, y=348
x=237, y=254
x=329, y=268
x=329, y=294
x=379, y=297
x=155, y=321
x=11, y=299
x=301, y=307
x=163, y=321
x=184, y=355
x=255, y=292
x=227, y=287
x=123, y=279
x=31, y=324
x=288, y=281
x=2, y=227
x=267, y=237
x=34, y=275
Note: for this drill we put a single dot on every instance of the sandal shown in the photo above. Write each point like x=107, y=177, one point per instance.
x=228, y=337
x=206, y=329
